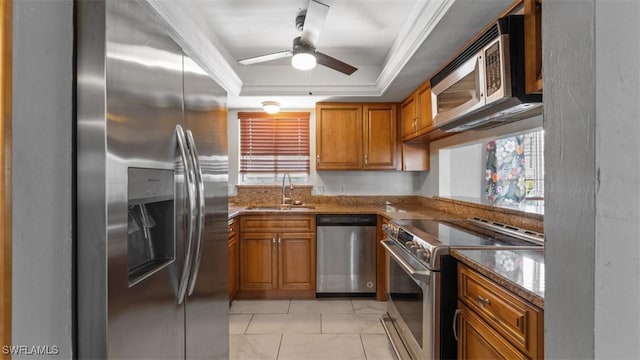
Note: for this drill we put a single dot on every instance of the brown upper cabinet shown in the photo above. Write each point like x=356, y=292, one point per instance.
x=416, y=113
x=354, y=136
x=533, y=46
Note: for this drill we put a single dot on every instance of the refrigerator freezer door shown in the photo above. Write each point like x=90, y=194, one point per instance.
x=144, y=105
x=129, y=102
x=207, y=306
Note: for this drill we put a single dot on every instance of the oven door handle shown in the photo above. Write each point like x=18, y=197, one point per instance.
x=399, y=258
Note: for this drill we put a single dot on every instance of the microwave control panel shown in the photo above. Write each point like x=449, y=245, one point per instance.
x=492, y=69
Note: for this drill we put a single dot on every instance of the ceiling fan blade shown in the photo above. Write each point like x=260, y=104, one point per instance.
x=267, y=57
x=314, y=22
x=334, y=63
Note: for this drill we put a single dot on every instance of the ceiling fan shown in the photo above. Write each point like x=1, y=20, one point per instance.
x=304, y=53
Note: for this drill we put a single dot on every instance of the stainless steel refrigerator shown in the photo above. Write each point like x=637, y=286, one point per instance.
x=152, y=172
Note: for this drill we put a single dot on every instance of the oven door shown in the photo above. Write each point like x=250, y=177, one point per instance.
x=413, y=305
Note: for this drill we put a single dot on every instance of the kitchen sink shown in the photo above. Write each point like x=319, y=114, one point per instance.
x=280, y=207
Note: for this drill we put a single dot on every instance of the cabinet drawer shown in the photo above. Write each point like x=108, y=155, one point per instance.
x=283, y=223
x=511, y=316
x=479, y=341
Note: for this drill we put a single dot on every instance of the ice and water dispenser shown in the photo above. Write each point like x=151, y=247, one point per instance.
x=151, y=240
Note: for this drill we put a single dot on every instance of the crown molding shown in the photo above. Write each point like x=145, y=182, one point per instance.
x=193, y=42
x=316, y=89
x=425, y=17
x=211, y=54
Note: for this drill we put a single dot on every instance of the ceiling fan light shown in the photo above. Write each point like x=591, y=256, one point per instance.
x=271, y=107
x=303, y=61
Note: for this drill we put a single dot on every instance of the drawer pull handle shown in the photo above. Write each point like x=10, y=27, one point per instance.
x=455, y=324
x=483, y=301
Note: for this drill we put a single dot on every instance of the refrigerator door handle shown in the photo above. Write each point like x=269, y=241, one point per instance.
x=201, y=210
x=191, y=199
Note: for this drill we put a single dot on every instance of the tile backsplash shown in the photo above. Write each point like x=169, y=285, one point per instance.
x=270, y=195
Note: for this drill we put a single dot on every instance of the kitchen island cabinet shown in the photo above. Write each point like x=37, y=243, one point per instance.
x=495, y=323
x=277, y=256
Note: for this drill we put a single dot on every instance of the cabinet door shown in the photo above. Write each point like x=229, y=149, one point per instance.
x=338, y=136
x=409, y=118
x=477, y=340
x=297, y=261
x=415, y=157
x=380, y=145
x=533, y=46
x=258, y=261
x=423, y=95
x=381, y=266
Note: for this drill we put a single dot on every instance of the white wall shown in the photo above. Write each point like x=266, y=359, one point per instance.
x=333, y=182
x=460, y=171
x=617, y=226
x=456, y=157
x=42, y=175
x=592, y=155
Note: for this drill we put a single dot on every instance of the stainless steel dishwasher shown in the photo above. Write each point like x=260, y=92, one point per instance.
x=346, y=255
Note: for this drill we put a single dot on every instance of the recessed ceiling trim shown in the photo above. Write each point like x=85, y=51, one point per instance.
x=193, y=41
x=410, y=38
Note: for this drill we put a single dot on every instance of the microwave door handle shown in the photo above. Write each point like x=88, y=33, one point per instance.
x=191, y=201
x=480, y=79
x=201, y=210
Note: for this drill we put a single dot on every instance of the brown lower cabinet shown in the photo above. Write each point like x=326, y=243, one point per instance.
x=381, y=266
x=279, y=260
x=478, y=340
x=494, y=323
x=234, y=253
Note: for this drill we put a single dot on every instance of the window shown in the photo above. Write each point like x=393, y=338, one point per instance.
x=514, y=169
x=272, y=145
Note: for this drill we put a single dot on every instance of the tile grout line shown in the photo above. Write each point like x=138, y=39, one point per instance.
x=280, y=346
x=364, y=351
x=248, y=324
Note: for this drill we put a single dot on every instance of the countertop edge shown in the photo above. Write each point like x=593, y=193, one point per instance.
x=388, y=212
x=511, y=286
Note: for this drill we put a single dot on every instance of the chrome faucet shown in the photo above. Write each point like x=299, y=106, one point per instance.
x=286, y=199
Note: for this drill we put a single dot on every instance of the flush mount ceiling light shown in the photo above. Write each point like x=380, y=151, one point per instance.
x=304, y=55
x=271, y=107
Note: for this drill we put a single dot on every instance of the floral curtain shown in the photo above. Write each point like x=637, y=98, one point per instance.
x=504, y=171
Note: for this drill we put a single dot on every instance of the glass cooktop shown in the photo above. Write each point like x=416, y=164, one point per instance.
x=458, y=234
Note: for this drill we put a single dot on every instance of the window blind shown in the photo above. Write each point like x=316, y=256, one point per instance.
x=274, y=143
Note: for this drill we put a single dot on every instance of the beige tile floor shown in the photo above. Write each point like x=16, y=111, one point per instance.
x=308, y=330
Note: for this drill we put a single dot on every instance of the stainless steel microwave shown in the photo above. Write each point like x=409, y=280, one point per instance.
x=484, y=86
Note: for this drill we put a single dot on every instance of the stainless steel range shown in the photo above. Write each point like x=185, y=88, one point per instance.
x=421, y=279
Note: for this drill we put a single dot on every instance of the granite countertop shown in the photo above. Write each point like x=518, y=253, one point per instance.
x=391, y=212
x=519, y=271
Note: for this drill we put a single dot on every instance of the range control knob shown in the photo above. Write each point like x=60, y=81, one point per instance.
x=420, y=254
x=427, y=255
